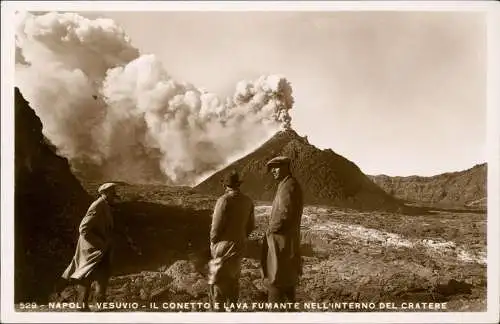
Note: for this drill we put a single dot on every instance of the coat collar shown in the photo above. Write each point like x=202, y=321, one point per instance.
x=231, y=190
x=285, y=179
x=103, y=199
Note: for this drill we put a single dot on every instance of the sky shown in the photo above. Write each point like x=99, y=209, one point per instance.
x=397, y=93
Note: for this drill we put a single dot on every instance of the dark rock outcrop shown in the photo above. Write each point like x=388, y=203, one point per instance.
x=49, y=204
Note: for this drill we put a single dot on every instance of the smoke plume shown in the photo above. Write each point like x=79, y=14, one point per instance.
x=115, y=113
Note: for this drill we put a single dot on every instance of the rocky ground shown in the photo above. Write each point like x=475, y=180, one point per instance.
x=348, y=256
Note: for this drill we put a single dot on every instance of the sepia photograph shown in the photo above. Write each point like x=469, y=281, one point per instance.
x=265, y=162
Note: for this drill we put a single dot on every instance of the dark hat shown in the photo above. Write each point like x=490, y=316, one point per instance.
x=231, y=179
x=277, y=161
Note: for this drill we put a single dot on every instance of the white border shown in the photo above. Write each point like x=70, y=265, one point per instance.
x=7, y=156
x=250, y=5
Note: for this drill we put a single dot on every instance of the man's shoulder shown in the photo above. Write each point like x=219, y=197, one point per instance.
x=223, y=199
x=291, y=182
x=224, y=196
x=235, y=196
x=98, y=203
x=246, y=198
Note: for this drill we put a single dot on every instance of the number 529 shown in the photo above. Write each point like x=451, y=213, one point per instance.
x=28, y=305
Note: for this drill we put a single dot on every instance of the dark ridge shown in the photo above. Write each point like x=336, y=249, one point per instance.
x=49, y=203
x=466, y=188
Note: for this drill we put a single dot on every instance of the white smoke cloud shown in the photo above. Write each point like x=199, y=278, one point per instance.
x=104, y=105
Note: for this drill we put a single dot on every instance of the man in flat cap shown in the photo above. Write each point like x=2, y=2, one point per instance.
x=232, y=222
x=281, y=260
x=91, y=261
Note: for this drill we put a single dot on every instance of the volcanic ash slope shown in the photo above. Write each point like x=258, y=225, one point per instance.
x=326, y=177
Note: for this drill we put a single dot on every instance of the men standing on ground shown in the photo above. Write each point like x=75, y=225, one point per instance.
x=281, y=260
x=232, y=221
x=92, y=259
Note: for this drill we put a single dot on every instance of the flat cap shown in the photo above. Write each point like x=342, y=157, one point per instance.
x=106, y=186
x=279, y=160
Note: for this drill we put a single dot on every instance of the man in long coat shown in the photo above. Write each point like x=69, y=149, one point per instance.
x=92, y=259
x=232, y=221
x=281, y=260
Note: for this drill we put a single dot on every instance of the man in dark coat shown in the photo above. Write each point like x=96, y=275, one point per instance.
x=91, y=261
x=281, y=260
x=232, y=221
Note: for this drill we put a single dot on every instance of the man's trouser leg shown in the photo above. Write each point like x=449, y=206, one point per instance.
x=101, y=277
x=224, y=293
x=281, y=294
x=274, y=294
x=290, y=294
x=233, y=290
x=101, y=287
x=216, y=295
x=84, y=286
